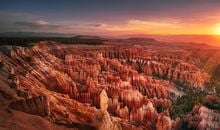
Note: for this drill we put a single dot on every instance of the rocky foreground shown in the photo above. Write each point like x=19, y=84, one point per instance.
x=128, y=87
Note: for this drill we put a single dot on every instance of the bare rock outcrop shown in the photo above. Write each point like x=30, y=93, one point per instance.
x=36, y=105
x=204, y=118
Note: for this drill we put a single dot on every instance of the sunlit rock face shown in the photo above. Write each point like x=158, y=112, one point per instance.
x=103, y=87
x=204, y=118
x=36, y=105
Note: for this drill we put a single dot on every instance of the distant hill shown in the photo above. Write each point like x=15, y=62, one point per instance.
x=35, y=34
x=142, y=39
x=87, y=37
x=213, y=40
x=27, y=39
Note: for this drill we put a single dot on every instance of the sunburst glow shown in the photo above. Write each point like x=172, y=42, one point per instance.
x=217, y=29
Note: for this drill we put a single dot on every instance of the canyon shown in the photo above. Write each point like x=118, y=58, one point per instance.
x=122, y=84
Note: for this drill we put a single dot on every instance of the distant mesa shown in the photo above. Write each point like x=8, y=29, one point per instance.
x=35, y=34
x=142, y=39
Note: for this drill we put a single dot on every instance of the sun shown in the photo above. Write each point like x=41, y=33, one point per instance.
x=217, y=29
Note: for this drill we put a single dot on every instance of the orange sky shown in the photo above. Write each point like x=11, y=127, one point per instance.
x=172, y=27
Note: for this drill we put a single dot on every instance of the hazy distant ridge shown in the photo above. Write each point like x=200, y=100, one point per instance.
x=35, y=34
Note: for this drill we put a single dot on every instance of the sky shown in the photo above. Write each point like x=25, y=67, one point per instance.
x=111, y=17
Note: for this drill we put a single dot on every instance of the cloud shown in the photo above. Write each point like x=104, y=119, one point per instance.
x=38, y=24
x=151, y=24
x=42, y=22
x=20, y=21
x=95, y=24
x=28, y=24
